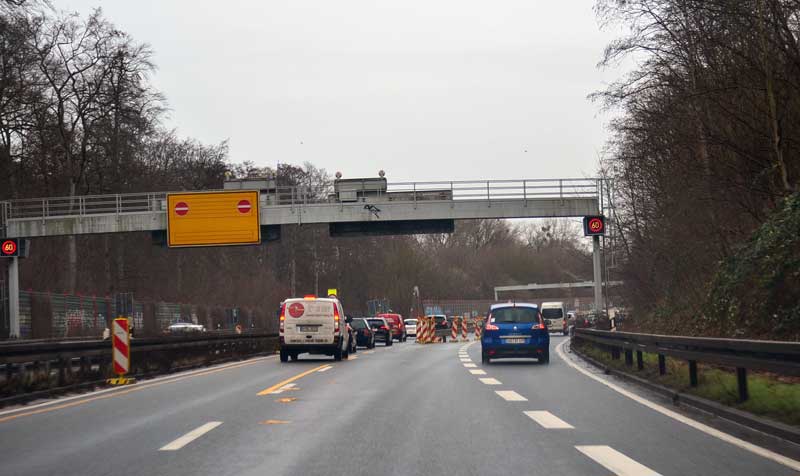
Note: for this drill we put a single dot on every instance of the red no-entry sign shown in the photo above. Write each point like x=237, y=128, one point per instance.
x=181, y=208
x=244, y=206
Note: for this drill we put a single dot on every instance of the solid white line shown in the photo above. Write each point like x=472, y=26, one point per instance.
x=477, y=372
x=548, y=420
x=325, y=369
x=511, y=396
x=470, y=366
x=191, y=436
x=490, y=381
x=763, y=452
x=179, y=375
x=615, y=461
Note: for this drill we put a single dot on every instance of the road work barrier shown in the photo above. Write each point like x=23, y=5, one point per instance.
x=454, y=330
x=464, y=328
x=34, y=369
x=782, y=358
x=478, y=324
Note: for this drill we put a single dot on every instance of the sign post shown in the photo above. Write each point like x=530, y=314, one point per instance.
x=121, y=351
x=13, y=249
x=595, y=226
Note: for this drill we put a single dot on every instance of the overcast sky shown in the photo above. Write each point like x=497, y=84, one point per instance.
x=427, y=90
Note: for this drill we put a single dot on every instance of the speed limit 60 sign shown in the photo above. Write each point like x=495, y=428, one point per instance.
x=13, y=247
x=594, y=226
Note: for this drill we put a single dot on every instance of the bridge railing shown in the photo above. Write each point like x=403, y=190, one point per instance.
x=777, y=357
x=451, y=190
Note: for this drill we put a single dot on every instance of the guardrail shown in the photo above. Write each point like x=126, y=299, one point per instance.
x=451, y=190
x=770, y=356
x=57, y=364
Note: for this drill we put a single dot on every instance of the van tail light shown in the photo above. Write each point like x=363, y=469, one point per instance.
x=283, y=317
x=335, y=318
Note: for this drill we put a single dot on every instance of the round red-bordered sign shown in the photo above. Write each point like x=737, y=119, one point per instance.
x=181, y=209
x=296, y=309
x=9, y=247
x=244, y=206
x=596, y=225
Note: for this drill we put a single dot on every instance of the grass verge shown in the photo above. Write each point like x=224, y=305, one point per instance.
x=770, y=396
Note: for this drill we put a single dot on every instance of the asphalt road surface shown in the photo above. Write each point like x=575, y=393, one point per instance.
x=401, y=410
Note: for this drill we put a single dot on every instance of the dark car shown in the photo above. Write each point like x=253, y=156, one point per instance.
x=515, y=330
x=382, y=330
x=365, y=336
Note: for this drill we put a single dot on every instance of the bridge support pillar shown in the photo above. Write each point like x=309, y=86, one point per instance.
x=13, y=298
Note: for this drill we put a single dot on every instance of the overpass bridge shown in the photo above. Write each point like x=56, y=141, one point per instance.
x=363, y=208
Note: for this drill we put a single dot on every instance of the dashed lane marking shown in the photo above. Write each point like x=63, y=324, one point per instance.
x=285, y=388
x=191, y=436
x=470, y=366
x=511, y=396
x=548, y=420
x=274, y=422
x=477, y=372
x=615, y=461
x=325, y=368
x=490, y=381
x=271, y=389
x=763, y=452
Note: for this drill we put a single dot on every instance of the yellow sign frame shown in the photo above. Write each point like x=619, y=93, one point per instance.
x=213, y=219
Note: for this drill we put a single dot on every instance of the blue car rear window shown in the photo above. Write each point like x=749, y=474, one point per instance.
x=515, y=314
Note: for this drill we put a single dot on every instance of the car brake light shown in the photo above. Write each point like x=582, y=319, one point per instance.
x=309, y=296
x=492, y=327
x=283, y=316
x=384, y=328
x=538, y=326
x=335, y=318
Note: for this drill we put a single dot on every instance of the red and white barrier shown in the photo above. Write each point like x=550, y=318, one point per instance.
x=454, y=330
x=121, y=346
x=478, y=323
x=464, y=329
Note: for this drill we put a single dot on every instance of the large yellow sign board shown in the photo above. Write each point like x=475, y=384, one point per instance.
x=213, y=218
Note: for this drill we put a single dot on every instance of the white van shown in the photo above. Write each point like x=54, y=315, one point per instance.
x=313, y=325
x=555, y=315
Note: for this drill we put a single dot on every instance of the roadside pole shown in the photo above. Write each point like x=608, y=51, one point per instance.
x=598, y=279
x=13, y=298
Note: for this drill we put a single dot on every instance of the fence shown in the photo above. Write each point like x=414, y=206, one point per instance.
x=5, y=323
x=54, y=315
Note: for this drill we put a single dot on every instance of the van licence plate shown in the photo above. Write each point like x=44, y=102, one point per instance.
x=516, y=340
x=307, y=328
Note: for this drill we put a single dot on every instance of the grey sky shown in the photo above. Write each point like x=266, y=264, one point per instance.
x=447, y=89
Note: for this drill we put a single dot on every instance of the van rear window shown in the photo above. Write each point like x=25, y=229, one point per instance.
x=552, y=313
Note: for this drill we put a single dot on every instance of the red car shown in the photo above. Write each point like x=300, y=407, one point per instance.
x=397, y=324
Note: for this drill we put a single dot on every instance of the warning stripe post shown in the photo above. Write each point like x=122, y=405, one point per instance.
x=120, y=351
x=454, y=330
x=464, y=329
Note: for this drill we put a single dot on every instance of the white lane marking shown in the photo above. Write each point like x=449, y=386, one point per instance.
x=490, y=381
x=477, y=372
x=548, y=420
x=470, y=366
x=511, y=396
x=755, y=449
x=466, y=360
x=191, y=436
x=615, y=461
x=176, y=376
x=352, y=357
x=369, y=351
x=325, y=369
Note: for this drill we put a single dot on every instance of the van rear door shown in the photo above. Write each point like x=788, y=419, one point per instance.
x=309, y=322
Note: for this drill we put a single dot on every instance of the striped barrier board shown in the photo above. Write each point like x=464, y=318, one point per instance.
x=121, y=351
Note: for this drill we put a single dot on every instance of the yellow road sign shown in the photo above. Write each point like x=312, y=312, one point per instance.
x=213, y=218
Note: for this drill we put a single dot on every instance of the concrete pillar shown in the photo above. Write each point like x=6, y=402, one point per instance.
x=598, y=278
x=13, y=298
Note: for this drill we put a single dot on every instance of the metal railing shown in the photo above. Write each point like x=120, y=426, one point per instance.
x=294, y=196
x=770, y=356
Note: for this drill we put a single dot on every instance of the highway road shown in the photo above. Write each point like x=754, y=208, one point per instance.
x=402, y=410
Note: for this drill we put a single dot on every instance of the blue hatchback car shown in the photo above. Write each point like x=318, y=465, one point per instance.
x=515, y=330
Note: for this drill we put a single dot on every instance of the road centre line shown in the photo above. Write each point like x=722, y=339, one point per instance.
x=490, y=381
x=117, y=392
x=615, y=461
x=755, y=449
x=191, y=436
x=548, y=420
x=511, y=396
x=271, y=389
x=477, y=372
